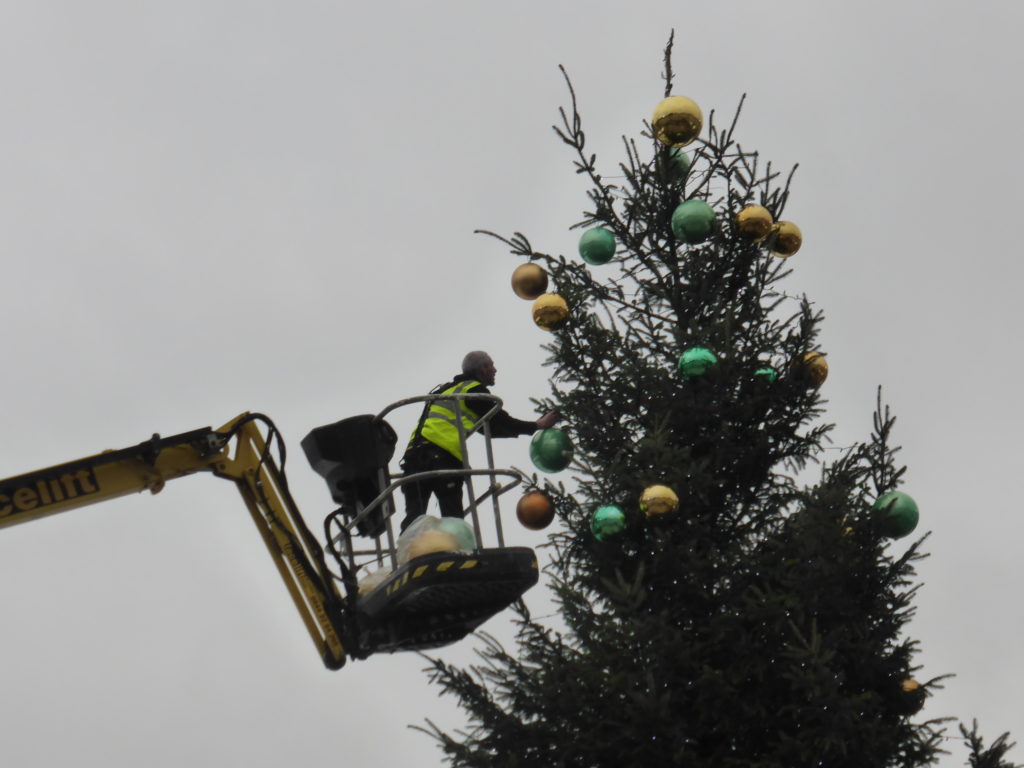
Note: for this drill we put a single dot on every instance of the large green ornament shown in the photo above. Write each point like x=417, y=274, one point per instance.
x=901, y=514
x=551, y=450
x=607, y=521
x=696, y=361
x=693, y=221
x=597, y=246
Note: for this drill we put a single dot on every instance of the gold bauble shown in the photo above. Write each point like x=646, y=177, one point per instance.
x=658, y=500
x=677, y=121
x=910, y=685
x=814, y=368
x=550, y=311
x=535, y=510
x=914, y=695
x=754, y=222
x=529, y=281
x=786, y=239
x=432, y=541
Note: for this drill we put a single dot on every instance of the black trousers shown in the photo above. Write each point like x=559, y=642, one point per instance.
x=448, y=490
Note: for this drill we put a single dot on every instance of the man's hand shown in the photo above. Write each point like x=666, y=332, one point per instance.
x=548, y=420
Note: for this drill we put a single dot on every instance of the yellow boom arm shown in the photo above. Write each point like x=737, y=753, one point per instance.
x=149, y=465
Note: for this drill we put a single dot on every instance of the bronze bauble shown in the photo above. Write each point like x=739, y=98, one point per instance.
x=677, y=121
x=658, y=500
x=529, y=281
x=550, y=311
x=535, y=510
x=786, y=239
x=754, y=222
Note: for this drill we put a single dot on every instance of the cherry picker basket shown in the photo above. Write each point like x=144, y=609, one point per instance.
x=433, y=599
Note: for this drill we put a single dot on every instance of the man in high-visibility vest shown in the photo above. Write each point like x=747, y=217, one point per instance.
x=435, y=441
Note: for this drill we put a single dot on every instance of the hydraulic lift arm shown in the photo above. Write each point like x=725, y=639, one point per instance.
x=150, y=464
x=430, y=600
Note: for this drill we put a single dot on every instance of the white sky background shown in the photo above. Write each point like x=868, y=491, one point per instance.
x=212, y=207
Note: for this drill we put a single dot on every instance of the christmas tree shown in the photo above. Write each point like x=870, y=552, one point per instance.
x=729, y=594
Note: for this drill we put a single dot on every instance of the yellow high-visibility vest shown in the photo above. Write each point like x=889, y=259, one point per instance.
x=440, y=426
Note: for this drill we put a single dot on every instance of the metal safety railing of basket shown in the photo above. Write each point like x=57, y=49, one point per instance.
x=339, y=527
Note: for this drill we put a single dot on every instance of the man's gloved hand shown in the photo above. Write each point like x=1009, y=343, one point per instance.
x=548, y=420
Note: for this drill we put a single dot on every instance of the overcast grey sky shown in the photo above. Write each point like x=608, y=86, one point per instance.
x=211, y=207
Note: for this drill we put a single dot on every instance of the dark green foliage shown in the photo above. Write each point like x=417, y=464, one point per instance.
x=763, y=625
x=987, y=758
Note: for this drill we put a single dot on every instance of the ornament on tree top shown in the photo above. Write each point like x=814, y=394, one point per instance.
x=658, y=500
x=529, y=281
x=696, y=361
x=813, y=368
x=693, y=221
x=607, y=521
x=550, y=311
x=597, y=246
x=677, y=121
x=900, y=514
x=754, y=222
x=551, y=450
x=535, y=510
x=786, y=239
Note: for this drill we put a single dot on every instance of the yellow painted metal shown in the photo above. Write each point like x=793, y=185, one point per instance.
x=285, y=537
x=148, y=466
x=96, y=478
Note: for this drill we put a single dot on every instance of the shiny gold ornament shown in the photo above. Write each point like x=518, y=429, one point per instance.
x=914, y=695
x=535, y=510
x=813, y=368
x=432, y=541
x=910, y=685
x=658, y=500
x=550, y=311
x=754, y=222
x=529, y=281
x=677, y=121
x=786, y=239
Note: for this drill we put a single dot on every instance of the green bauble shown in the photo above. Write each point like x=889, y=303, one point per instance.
x=597, y=246
x=696, y=361
x=766, y=374
x=607, y=521
x=900, y=511
x=693, y=221
x=674, y=163
x=551, y=450
x=460, y=529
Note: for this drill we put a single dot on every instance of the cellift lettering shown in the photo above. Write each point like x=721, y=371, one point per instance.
x=46, y=491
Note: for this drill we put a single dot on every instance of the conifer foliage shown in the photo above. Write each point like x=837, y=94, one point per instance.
x=762, y=624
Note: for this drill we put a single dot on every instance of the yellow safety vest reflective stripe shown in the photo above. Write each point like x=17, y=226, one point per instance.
x=440, y=426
